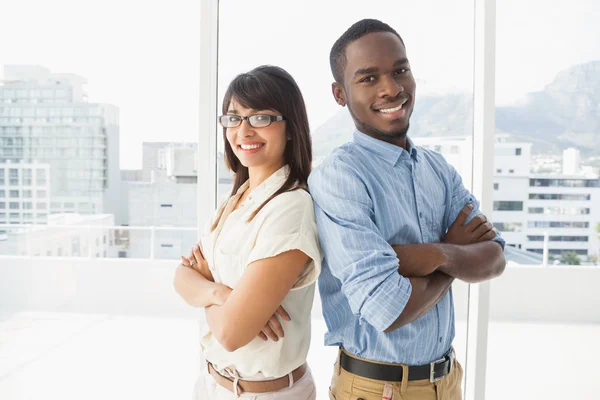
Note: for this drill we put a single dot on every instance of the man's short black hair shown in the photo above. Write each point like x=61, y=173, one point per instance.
x=337, y=56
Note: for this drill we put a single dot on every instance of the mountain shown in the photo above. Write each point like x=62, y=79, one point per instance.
x=566, y=113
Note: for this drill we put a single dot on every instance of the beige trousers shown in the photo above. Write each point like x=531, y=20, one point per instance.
x=347, y=386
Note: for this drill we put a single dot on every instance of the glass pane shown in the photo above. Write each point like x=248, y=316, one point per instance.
x=547, y=157
x=84, y=89
x=442, y=64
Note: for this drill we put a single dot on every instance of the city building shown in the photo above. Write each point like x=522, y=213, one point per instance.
x=46, y=118
x=561, y=209
x=165, y=198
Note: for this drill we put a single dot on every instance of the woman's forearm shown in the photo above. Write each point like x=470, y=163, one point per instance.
x=198, y=291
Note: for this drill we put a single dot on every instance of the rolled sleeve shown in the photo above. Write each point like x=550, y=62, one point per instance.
x=289, y=224
x=460, y=198
x=355, y=251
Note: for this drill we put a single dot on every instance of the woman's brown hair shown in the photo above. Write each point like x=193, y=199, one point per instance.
x=272, y=88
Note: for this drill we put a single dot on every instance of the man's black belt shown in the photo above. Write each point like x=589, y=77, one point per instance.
x=393, y=373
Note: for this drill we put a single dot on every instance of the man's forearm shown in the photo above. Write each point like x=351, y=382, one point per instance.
x=419, y=259
x=426, y=292
x=473, y=263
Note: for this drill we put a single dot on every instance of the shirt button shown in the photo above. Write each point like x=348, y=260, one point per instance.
x=421, y=215
x=440, y=340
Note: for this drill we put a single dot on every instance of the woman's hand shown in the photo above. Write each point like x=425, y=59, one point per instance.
x=273, y=329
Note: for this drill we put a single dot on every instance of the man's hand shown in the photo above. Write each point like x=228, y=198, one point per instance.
x=479, y=229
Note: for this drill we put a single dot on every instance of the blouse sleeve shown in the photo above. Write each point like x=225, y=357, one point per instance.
x=288, y=223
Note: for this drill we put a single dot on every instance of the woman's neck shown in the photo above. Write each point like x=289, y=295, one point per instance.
x=258, y=175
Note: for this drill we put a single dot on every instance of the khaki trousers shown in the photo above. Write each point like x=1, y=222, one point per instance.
x=347, y=386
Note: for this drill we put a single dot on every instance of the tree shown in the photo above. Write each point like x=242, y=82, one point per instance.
x=570, y=258
x=594, y=258
x=598, y=228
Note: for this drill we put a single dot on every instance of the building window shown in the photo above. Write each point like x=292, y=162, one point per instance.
x=517, y=152
x=564, y=182
x=2, y=205
x=498, y=171
x=166, y=205
x=509, y=226
x=496, y=186
x=557, y=196
x=511, y=171
x=41, y=193
x=559, y=210
x=2, y=193
x=27, y=193
x=14, y=206
x=558, y=224
x=13, y=194
x=508, y=206
x=166, y=245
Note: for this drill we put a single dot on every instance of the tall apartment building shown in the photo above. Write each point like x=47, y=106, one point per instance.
x=47, y=124
x=565, y=206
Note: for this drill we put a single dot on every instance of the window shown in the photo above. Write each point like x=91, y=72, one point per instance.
x=496, y=186
x=511, y=171
x=508, y=206
x=27, y=205
x=166, y=205
x=2, y=193
x=41, y=193
x=166, y=245
x=499, y=171
x=561, y=196
x=509, y=226
x=517, y=152
x=13, y=194
x=558, y=224
x=14, y=205
x=565, y=183
x=559, y=210
x=41, y=206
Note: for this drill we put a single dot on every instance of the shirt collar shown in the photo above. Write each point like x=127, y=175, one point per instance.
x=269, y=186
x=387, y=151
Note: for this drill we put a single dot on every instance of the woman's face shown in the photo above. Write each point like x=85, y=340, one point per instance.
x=257, y=147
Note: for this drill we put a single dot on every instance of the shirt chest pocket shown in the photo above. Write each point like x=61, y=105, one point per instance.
x=228, y=262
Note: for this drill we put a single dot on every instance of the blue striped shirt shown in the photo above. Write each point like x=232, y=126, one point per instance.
x=370, y=195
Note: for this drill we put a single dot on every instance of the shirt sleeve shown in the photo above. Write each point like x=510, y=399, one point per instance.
x=460, y=198
x=355, y=251
x=288, y=223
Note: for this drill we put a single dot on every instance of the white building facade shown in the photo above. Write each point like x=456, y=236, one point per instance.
x=565, y=206
x=45, y=117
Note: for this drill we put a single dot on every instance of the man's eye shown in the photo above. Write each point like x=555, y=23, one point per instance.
x=402, y=70
x=368, y=79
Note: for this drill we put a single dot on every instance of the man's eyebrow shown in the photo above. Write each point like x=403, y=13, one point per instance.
x=364, y=71
x=400, y=62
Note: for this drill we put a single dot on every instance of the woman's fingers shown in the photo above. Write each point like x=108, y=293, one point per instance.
x=283, y=313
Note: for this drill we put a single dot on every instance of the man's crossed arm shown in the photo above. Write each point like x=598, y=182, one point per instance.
x=466, y=253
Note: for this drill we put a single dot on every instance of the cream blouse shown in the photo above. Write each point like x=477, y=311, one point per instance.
x=287, y=222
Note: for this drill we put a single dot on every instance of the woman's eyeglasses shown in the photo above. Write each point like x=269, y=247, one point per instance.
x=256, y=121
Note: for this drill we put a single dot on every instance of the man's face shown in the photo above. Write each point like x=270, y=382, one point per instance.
x=378, y=88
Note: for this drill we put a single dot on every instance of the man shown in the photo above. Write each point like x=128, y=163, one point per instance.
x=397, y=227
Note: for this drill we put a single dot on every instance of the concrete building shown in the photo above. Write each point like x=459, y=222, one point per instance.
x=46, y=118
x=64, y=235
x=166, y=200
x=24, y=193
x=528, y=206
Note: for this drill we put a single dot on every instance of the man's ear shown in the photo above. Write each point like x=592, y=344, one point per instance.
x=338, y=94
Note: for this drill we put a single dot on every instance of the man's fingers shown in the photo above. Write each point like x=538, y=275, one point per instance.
x=276, y=325
x=482, y=229
x=262, y=336
x=487, y=236
x=283, y=313
x=476, y=222
x=463, y=214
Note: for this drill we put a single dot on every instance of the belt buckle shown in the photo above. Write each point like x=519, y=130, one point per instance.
x=432, y=377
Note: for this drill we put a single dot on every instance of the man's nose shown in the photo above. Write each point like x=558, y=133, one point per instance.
x=390, y=87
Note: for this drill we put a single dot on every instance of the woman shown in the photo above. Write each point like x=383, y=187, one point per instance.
x=259, y=257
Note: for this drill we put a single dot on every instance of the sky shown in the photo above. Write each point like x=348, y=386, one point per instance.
x=144, y=57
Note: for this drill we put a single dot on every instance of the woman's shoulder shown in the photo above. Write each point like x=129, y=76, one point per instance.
x=297, y=197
